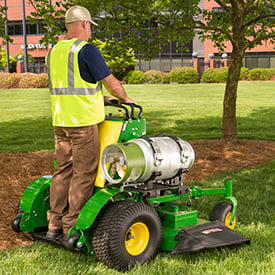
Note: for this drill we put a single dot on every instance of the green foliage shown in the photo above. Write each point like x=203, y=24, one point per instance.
x=244, y=73
x=30, y=57
x=3, y=22
x=208, y=75
x=261, y=74
x=184, y=75
x=153, y=76
x=221, y=75
x=51, y=15
x=3, y=60
x=135, y=77
x=117, y=56
x=223, y=25
x=165, y=78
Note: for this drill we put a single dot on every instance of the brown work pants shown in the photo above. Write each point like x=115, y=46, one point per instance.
x=77, y=155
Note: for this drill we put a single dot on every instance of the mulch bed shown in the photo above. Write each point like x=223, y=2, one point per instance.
x=17, y=171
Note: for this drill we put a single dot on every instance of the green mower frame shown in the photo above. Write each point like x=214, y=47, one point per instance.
x=123, y=224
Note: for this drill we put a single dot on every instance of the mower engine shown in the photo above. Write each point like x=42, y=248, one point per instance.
x=146, y=159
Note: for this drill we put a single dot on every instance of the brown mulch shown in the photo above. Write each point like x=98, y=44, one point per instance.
x=17, y=171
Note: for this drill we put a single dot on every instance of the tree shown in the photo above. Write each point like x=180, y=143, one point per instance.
x=3, y=60
x=146, y=24
x=117, y=56
x=244, y=24
x=3, y=22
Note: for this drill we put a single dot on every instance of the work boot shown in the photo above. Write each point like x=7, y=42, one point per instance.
x=53, y=234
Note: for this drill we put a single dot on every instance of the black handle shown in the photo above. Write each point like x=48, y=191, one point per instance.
x=114, y=103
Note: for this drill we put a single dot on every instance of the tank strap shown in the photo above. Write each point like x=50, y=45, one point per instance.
x=177, y=140
x=157, y=153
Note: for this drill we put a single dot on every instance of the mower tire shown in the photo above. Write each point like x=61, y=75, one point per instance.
x=125, y=233
x=222, y=211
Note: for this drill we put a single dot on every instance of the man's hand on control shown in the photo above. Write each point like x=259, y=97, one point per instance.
x=115, y=88
x=108, y=99
x=128, y=100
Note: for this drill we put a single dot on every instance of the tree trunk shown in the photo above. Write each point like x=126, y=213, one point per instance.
x=229, y=127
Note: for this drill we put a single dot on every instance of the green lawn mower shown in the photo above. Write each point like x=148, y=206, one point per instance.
x=140, y=204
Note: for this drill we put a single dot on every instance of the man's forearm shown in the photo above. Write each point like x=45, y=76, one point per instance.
x=116, y=89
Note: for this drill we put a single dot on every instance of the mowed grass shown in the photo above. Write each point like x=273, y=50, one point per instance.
x=187, y=111
x=190, y=111
x=255, y=192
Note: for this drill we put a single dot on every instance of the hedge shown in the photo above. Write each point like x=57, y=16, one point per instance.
x=153, y=76
x=178, y=75
x=184, y=75
x=24, y=80
x=135, y=77
x=261, y=74
x=220, y=75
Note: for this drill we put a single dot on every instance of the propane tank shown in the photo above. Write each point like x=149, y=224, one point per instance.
x=142, y=159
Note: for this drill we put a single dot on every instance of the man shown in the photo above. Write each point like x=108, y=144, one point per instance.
x=76, y=72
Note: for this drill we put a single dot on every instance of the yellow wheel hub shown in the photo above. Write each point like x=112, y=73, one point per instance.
x=227, y=221
x=137, y=238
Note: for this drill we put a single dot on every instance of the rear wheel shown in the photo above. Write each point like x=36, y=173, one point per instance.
x=222, y=211
x=126, y=233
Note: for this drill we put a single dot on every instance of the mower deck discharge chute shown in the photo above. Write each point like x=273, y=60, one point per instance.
x=138, y=203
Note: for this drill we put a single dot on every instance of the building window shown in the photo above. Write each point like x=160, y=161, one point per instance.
x=16, y=28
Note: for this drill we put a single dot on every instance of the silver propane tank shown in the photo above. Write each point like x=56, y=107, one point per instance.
x=143, y=159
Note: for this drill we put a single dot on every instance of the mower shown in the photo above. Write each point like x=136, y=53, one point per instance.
x=140, y=203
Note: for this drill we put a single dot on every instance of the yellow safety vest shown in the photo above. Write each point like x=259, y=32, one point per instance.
x=75, y=102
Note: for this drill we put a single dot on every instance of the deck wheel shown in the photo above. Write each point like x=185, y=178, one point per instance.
x=222, y=211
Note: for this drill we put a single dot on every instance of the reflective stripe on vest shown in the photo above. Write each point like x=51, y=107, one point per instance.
x=75, y=102
x=71, y=90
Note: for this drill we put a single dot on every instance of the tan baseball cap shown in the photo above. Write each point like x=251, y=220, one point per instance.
x=78, y=13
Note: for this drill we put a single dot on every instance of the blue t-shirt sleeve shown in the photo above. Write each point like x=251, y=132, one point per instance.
x=92, y=66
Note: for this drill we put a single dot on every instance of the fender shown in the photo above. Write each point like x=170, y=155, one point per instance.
x=35, y=204
x=93, y=206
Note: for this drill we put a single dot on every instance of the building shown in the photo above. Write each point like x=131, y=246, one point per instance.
x=261, y=56
x=15, y=30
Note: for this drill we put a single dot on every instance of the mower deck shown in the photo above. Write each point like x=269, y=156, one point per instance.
x=207, y=235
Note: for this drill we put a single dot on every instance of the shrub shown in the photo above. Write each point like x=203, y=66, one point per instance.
x=184, y=75
x=221, y=75
x=244, y=73
x=30, y=80
x=10, y=80
x=208, y=75
x=153, y=76
x=135, y=77
x=267, y=74
x=24, y=80
x=165, y=78
x=255, y=74
x=117, y=56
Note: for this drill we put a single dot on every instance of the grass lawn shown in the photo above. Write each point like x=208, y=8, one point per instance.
x=254, y=189
x=190, y=111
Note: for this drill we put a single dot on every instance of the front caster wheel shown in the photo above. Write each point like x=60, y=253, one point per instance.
x=16, y=224
x=125, y=233
x=71, y=243
x=222, y=211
